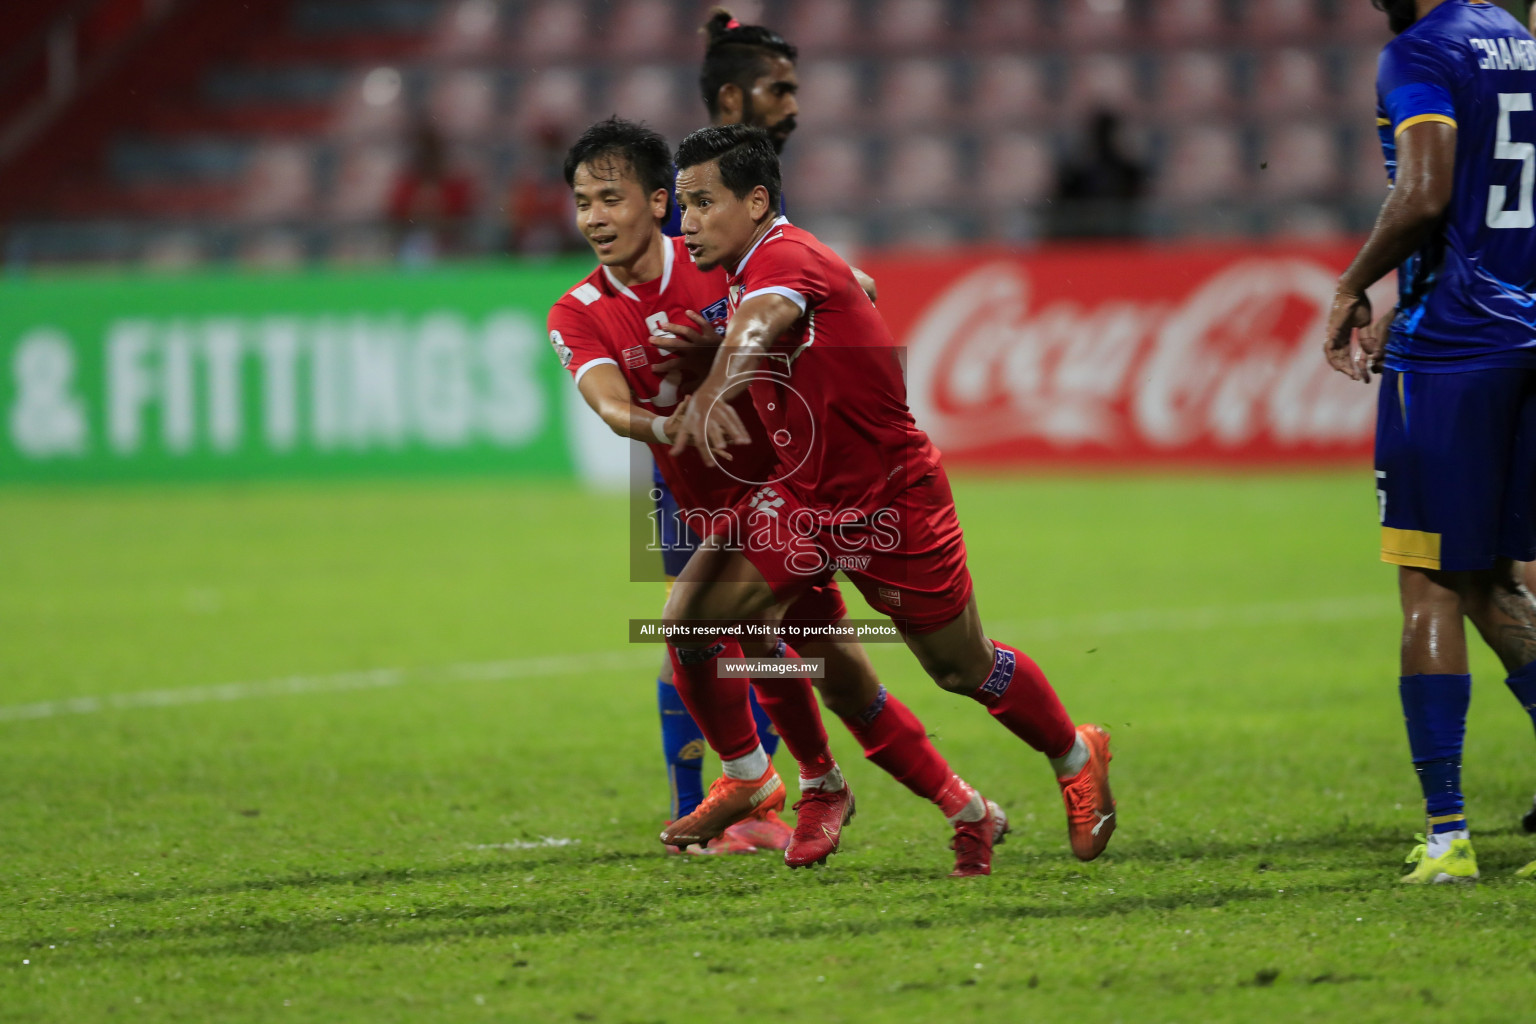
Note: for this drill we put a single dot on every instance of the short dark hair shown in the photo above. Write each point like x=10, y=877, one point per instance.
x=629, y=142
x=737, y=54
x=747, y=158
x=1401, y=14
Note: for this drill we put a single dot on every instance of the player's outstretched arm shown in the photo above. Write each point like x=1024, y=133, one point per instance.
x=1426, y=167
x=710, y=423
x=607, y=392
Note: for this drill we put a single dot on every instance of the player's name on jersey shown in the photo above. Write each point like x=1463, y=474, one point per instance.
x=655, y=631
x=1506, y=54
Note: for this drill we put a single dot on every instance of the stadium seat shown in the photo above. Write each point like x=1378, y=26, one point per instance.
x=824, y=171
x=911, y=24
x=645, y=29
x=1094, y=24
x=466, y=28
x=364, y=176
x=922, y=170
x=1187, y=21
x=1303, y=160
x=914, y=92
x=1307, y=222
x=273, y=248
x=1201, y=163
x=1005, y=23
x=1359, y=90
x=1360, y=23
x=177, y=249
x=830, y=92
x=923, y=229
x=1292, y=81
x=278, y=182
x=1273, y=21
x=817, y=26
x=463, y=103
x=1366, y=166
x=1008, y=90
x=1017, y=168
x=650, y=93
x=555, y=96
x=552, y=29
x=1098, y=81
x=1194, y=82
x=372, y=103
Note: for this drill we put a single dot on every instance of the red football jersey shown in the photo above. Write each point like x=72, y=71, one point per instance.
x=603, y=322
x=831, y=392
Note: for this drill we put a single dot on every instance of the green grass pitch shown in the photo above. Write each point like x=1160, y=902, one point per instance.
x=431, y=787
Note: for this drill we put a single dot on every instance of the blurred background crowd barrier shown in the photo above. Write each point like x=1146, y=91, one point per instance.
x=399, y=161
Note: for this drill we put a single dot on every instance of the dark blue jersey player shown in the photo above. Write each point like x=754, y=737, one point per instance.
x=1456, y=421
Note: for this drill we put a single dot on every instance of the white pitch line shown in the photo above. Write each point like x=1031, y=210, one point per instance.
x=1109, y=623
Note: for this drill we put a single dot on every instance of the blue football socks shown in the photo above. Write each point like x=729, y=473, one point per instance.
x=682, y=743
x=765, y=731
x=1522, y=683
x=1435, y=708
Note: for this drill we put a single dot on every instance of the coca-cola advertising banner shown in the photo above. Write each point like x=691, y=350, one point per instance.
x=1106, y=356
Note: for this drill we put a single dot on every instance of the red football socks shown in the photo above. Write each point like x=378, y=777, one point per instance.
x=791, y=705
x=894, y=739
x=1019, y=696
x=720, y=706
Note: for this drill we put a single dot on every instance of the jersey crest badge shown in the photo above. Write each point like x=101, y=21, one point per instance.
x=718, y=314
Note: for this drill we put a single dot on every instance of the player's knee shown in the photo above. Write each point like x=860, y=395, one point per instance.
x=953, y=678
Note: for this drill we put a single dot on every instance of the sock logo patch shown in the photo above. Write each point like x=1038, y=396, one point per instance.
x=1002, y=674
x=691, y=752
x=876, y=706
x=692, y=657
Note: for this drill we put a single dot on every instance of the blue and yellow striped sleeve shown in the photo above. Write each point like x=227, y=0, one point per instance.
x=1416, y=103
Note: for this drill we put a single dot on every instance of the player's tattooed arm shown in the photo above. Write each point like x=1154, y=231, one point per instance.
x=710, y=424
x=607, y=392
x=1426, y=164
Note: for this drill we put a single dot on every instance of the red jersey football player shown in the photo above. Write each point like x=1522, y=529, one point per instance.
x=607, y=332
x=858, y=486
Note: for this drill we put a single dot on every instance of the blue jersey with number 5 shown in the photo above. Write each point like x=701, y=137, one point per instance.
x=1465, y=300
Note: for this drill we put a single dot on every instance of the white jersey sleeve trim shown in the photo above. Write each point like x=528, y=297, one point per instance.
x=669, y=253
x=591, y=363
x=778, y=289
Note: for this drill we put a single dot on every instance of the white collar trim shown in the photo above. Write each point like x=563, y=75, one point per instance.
x=668, y=254
x=779, y=222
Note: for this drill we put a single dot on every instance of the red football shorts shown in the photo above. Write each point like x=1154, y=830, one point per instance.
x=908, y=559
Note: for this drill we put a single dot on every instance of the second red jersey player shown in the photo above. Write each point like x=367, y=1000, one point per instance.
x=613, y=332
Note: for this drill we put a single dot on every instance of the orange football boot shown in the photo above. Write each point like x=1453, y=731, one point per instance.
x=728, y=801
x=1090, y=806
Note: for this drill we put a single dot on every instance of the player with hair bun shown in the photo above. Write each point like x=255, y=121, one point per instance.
x=747, y=77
